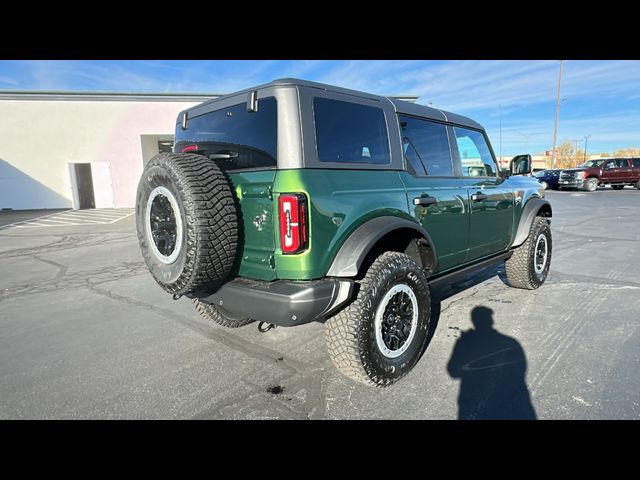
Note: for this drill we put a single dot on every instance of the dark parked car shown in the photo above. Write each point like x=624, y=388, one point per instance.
x=548, y=178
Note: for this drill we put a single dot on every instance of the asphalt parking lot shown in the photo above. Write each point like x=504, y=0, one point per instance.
x=86, y=333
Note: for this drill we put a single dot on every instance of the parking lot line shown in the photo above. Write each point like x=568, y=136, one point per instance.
x=75, y=218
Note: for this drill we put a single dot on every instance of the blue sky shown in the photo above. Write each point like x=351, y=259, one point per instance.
x=602, y=97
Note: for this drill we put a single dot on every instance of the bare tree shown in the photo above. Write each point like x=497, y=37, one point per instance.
x=627, y=152
x=568, y=156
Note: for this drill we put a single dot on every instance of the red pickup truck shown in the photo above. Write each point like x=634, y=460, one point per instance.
x=616, y=172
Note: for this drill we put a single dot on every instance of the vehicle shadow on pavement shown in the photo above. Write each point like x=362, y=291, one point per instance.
x=491, y=366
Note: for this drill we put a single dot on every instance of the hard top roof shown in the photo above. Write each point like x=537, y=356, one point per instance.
x=400, y=106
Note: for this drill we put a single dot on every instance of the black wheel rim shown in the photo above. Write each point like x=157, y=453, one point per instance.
x=396, y=321
x=164, y=228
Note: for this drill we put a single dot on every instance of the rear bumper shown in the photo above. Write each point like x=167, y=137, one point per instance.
x=282, y=302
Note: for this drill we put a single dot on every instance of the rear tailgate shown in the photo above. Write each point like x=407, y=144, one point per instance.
x=257, y=237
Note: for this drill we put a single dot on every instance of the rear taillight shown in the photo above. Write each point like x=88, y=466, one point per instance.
x=292, y=209
x=190, y=148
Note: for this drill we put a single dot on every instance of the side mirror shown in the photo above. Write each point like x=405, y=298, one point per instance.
x=504, y=173
x=520, y=165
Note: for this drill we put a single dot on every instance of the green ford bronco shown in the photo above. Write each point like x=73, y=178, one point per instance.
x=295, y=202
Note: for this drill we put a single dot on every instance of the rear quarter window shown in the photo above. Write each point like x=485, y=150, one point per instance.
x=349, y=132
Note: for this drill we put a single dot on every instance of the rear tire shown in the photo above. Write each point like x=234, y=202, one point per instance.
x=528, y=267
x=381, y=335
x=215, y=314
x=187, y=223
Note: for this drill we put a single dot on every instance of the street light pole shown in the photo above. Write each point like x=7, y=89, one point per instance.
x=585, y=147
x=555, y=127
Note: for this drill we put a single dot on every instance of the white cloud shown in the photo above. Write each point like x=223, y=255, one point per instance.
x=8, y=81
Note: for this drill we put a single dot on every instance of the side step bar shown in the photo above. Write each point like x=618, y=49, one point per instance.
x=448, y=277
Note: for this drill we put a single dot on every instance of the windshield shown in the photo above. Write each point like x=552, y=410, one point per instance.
x=540, y=174
x=591, y=163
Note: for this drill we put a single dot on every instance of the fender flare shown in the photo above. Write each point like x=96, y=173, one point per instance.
x=349, y=258
x=529, y=213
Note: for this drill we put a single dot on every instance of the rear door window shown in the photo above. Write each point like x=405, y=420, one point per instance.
x=349, y=132
x=622, y=163
x=425, y=145
x=636, y=162
x=249, y=139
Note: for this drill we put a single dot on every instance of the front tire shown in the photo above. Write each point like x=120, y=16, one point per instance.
x=528, y=267
x=545, y=185
x=381, y=335
x=591, y=184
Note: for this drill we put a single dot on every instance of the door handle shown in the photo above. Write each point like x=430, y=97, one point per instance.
x=478, y=197
x=425, y=201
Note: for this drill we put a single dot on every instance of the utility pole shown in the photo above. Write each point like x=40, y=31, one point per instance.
x=555, y=127
x=500, y=110
x=585, y=147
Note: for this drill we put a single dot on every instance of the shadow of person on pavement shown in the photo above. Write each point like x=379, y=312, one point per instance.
x=491, y=368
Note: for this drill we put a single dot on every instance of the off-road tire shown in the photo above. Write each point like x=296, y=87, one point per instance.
x=519, y=268
x=591, y=184
x=350, y=334
x=617, y=187
x=217, y=315
x=209, y=222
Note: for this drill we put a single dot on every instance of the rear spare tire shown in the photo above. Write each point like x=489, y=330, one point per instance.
x=187, y=222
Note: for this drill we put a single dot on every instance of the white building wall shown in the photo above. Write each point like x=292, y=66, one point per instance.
x=38, y=139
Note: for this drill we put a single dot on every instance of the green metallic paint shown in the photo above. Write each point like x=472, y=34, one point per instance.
x=447, y=221
x=524, y=189
x=491, y=220
x=339, y=202
x=257, y=237
x=342, y=200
